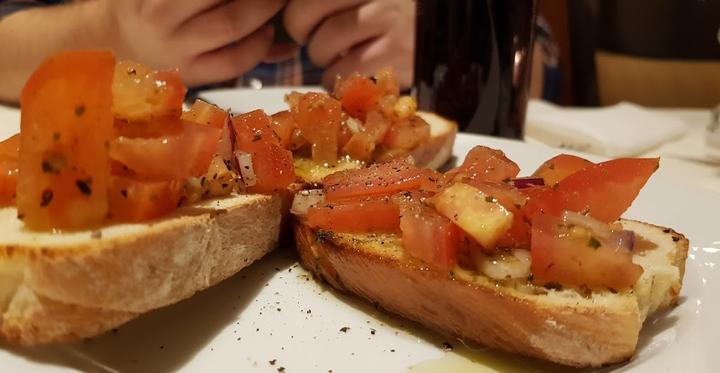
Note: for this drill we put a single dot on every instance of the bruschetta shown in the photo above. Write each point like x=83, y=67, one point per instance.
x=114, y=201
x=541, y=266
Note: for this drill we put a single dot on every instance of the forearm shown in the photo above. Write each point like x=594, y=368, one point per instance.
x=30, y=36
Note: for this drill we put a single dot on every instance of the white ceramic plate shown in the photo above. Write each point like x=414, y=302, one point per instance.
x=273, y=315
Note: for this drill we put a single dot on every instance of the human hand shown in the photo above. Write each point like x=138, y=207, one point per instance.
x=345, y=36
x=209, y=40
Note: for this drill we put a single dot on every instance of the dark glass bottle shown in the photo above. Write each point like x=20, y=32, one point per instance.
x=472, y=62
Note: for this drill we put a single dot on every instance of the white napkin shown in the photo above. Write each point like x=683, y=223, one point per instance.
x=621, y=130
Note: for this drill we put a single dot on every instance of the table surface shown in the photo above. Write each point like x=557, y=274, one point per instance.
x=685, y=160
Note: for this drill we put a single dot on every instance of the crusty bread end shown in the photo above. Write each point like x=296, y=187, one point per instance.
x=562, y=326
x=67, y=286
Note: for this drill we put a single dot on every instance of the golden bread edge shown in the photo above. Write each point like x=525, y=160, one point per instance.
x=76, y=291
x=576, y=332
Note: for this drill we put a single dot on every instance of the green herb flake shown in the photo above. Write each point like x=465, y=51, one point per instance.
x=594, y=243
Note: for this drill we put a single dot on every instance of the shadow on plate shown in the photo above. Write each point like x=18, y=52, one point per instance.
x=166, y=339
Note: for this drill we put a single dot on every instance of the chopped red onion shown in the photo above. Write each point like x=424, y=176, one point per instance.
x=624, y=239
x=245, y=165
x=525, y=182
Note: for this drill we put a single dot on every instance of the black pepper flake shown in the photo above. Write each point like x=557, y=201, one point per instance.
x=162, y=347
x=372, y=331
x=48, y=168
x=281, y=369
x=344, y=329
x=124, y=193
x=257, y=136
x=96, y=235
x=56, y=136
x=79, y=110
x=676, y=238
x=279, y=309
x=46, y=198
x=666, y=230
x=447, y=346
x=392, y=350
x=309, y=311
x=272, y=362
x=84, y=186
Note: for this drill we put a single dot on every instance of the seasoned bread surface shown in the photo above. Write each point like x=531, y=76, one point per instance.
x=65, y=286
x=562, y=326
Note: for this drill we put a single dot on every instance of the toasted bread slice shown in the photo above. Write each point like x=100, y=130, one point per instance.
x=432, y=154
x=66, y=286
x=563, y=326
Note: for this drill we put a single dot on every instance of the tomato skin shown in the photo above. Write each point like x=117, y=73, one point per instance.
x=207, y=114
x=377, y=179
x=604, y=190
x=427, y=235
x=66, y=125
x=559, y=167
x=363, y=215
x=272, y=164
x=135, y=200
x=483, y=163
x=318, y=118
x=568, y=259
x=140, y=94
x=170, y=157
x=358, y=95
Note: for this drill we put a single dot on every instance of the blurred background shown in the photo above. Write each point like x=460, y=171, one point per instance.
x=662, y=53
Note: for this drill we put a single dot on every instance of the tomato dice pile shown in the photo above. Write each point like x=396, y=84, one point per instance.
x=362, y=119
x=446, y=220
x=104, y=141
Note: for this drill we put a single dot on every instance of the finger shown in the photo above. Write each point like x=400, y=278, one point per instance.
x=225, y=24
x=301, y=17
x=231, y=61
x=281, y=52
x=339, y=33
x=171, y=13
x=370, y=57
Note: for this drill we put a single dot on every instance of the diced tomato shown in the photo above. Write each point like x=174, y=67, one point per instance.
x=483, y=163
x=572, y=256
x=363, y=215
x=362, y=144
x=272, y=164
x=427, y=235
x=318, y=118
x=513, y=200
x=134, y=200
x=158, y=127
x=10, y=148
x=140, y=94
x=479, y=215
x=387, y=82
x=66, y=126
x=171, y=157
x=283, y=124
x=604, y=190
x=358, y=95
x=407, y=134
x=560, y=167
x=377, y=179
x=202, y=112
x=8, y=181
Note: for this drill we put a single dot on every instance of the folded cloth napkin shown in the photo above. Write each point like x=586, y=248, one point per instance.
x=621, y=130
